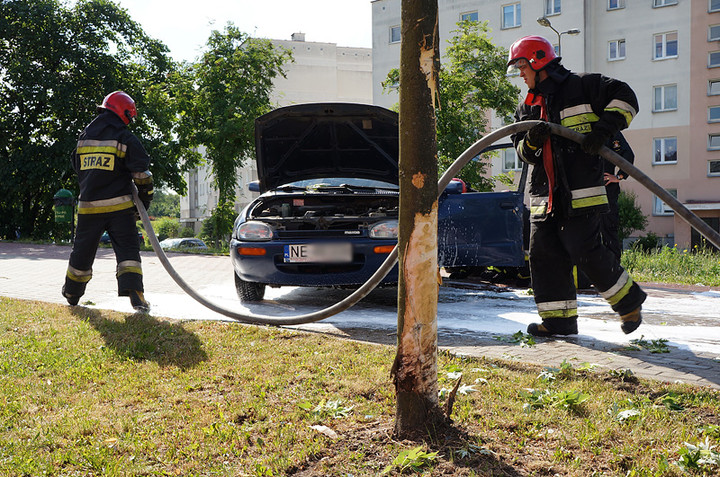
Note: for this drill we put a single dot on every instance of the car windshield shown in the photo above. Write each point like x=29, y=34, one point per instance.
x=340, y=181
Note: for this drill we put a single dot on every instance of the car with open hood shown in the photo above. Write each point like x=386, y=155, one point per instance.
x=328, y=210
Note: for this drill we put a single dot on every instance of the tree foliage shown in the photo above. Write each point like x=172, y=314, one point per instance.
x=165, y=204
x=222, y=95
x=630, y=215
x=473, y=83
x=217, y=228
x=50, y=84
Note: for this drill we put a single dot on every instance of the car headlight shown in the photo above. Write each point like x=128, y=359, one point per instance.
x=254, y=232
x=387, y=229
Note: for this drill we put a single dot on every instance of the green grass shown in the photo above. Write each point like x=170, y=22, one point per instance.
x=670, y=265
x=87, y=392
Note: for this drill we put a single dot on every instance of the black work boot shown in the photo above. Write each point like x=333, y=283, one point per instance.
x=71, y=299
x=631, y=321
x=137, y=300
x=554, y=326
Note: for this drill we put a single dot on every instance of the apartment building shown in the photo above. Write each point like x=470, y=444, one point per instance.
x=320, y=72
x=667, y=50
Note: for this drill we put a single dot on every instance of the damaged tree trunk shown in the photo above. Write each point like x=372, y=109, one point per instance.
x=415, y=367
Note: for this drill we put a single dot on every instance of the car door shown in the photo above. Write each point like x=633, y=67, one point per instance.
x=481, y=229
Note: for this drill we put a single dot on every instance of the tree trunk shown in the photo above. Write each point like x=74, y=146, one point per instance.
x=415, y=367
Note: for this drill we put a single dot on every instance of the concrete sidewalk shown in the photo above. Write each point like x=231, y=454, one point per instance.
x=36, y=272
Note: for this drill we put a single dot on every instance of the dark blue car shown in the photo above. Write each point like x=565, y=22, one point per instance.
x=328, y=212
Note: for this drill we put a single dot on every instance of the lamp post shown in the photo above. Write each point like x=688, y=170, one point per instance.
x=544, y=21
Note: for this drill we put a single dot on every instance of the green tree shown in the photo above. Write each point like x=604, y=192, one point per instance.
x=630, y=214
x=473, y=83
x=221, y=96
x=165, y=204
x=217, y=228
x=50, y=84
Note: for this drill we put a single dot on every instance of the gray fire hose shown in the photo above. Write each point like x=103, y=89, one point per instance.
x=390, y=261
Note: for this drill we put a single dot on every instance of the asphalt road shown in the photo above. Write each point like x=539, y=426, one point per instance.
x=473, y=318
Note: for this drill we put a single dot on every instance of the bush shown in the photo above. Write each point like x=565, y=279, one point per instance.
x=630, y=215
x=647, y=243
x=166, y=227
x=186, y=232
x=217, y=228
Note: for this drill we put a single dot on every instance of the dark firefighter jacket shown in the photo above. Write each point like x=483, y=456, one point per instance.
x=581, y=102
x=107, y=158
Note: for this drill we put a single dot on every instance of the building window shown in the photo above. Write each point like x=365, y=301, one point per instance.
x=395, y=34
x=713, y=32
x=616, y=50
x=664, y=3
x=714, y=114
x=665, y=98
x=665, y=150
x=615, y=4
x=660, y=207
x=511, y=16
x=666, y=45
x=713, y=142
x=510, y=160
x=713, y=87
x=713, y=59
x=552, y=7
x=714, y=6
x=713, y=168
x=469, y=17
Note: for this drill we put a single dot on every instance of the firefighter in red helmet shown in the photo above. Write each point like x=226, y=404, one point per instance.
x=108, y=159
x=567, y=193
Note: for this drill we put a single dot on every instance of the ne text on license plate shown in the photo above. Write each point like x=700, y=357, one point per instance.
x=318, y=252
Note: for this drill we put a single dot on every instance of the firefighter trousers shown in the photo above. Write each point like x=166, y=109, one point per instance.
x=124, y=239
x=556, y=245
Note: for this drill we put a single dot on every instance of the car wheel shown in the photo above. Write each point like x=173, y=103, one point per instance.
x=249, y=291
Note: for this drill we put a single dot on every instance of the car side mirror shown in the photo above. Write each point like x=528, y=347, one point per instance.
x=254, y=186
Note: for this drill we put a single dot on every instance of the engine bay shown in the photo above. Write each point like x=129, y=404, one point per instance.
x=325, y=212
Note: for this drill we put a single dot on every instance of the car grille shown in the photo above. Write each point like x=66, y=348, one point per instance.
x=285, y=234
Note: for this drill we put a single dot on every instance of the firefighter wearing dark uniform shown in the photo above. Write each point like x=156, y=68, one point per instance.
x=107, y=160
x=567, y=194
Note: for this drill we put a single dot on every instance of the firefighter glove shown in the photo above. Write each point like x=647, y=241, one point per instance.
x=538, y=134
x=146, y=195
x=594, y=141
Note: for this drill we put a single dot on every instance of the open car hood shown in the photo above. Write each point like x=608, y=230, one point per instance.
x=317, y=140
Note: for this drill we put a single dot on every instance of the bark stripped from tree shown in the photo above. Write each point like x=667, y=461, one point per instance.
x=415, y=367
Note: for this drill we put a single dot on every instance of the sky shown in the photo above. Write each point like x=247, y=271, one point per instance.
x=185, y=25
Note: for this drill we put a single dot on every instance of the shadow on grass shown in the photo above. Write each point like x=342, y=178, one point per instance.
x=140, y=337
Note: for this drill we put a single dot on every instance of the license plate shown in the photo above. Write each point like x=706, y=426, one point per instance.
x=318, y=252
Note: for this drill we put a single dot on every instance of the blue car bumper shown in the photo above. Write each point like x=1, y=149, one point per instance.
x=265, y=262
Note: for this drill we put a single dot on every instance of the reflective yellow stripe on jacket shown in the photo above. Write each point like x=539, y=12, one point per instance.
x=538, y=205
x=106, y=205
x=88, y=146
x=579, y=118
x=589, y=197
x=623, y=108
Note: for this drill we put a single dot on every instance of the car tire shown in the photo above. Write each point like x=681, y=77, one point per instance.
x=249, y=291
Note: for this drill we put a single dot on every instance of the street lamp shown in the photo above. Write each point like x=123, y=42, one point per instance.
x=543, y=21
